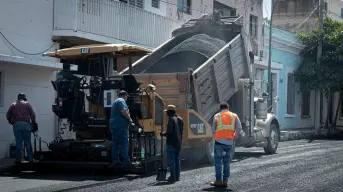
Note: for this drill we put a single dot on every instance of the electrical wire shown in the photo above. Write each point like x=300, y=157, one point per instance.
x=24, y=51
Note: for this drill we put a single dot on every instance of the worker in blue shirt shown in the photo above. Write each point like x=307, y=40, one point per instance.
x=120, y=122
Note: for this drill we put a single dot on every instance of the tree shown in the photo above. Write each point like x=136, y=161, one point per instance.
x=327, y=75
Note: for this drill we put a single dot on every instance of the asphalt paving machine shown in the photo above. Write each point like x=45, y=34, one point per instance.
x=95, y=76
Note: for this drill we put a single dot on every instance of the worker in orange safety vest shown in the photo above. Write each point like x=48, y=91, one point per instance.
x=224, y=128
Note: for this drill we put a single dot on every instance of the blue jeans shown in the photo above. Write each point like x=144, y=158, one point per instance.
x=120, y=140
x=22, y=132
x=174, y=161
x=222, y=159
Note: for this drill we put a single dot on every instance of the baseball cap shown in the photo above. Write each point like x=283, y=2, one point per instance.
x=122, y=93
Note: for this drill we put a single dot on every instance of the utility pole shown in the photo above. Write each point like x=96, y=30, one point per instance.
x=320, y=43
x=270, y=83
x=320, y=31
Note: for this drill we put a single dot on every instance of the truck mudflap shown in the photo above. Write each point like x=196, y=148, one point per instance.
x=215, y=81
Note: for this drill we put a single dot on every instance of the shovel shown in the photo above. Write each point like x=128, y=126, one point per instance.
x=161, y=172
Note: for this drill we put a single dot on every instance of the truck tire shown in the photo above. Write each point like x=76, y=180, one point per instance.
x=210, y=152
x=272, y=140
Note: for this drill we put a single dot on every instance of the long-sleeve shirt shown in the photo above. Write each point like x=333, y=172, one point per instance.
x=175, y=131
x=238, y=129
x=21, y=111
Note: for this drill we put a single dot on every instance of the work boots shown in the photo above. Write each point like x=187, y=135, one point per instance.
x=171, y=178
x=225, y=183
x=219, y=183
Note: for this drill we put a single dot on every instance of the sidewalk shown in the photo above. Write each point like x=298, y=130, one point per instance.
x=303, y=133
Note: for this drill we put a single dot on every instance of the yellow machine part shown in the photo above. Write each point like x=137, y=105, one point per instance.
x=195, y=127
x=83, y=51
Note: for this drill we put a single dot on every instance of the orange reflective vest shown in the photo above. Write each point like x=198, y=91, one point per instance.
x=225, y=125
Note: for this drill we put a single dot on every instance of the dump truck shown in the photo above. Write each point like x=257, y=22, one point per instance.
x=203, y=64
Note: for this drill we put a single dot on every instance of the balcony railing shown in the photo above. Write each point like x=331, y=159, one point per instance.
x=114, y=20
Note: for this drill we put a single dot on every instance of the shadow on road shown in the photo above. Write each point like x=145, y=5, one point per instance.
x=216, y=189
x=240, y=156
x=161, y=183
x=103, y=176
x=66, y=175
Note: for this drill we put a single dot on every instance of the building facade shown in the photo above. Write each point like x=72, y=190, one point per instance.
x=145, y=23
x=299, y=15
x=335, y=9
x=295, y=108
x=295, y=15
x=252, y=12
x=24, y=34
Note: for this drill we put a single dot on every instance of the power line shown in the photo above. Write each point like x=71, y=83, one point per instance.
x=24, y=51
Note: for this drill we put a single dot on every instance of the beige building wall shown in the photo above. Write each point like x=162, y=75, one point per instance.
x=334, y=9
x=290, y=15
x=246, y=8
x=196, y=9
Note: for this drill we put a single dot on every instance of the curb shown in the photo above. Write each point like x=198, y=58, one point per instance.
x=297, y=135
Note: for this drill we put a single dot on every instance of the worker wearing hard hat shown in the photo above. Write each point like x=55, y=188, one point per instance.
x=225, y=126
x=174, y=142
x=120, y=122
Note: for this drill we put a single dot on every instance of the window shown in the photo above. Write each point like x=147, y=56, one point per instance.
x=253, y=26
x=134, y=3
x=155, y=3
x=224, y=10
x=290, y=94
x=306, y=102
x=341, y=12
x=1, y=89
x=184, y=6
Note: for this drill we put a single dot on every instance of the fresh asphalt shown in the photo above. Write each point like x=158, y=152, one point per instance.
x=298, y=166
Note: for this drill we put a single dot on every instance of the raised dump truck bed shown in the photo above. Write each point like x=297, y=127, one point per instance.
x=199, y=67
x=172, y=87
x=203, y=89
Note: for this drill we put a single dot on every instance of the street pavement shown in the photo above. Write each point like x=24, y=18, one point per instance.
x=298, y=166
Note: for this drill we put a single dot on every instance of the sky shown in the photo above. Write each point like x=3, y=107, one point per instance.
x=266, y=8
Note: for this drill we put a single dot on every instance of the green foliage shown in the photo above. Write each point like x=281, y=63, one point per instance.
x=328, y=73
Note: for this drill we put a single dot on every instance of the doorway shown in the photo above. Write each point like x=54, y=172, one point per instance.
x=275, y=91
